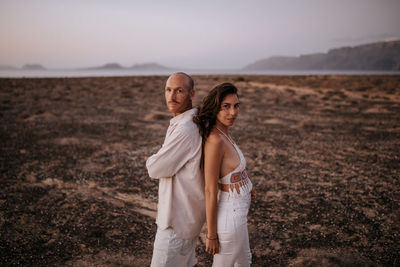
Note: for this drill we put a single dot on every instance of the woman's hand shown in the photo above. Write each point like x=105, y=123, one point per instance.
x=253, y=195
x=212, y=245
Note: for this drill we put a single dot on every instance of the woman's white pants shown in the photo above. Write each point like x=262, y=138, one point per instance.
x=232, y=230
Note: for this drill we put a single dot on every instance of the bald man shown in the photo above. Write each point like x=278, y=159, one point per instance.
x=181, y=204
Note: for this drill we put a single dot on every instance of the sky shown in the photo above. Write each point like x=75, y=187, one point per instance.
x=219, y=34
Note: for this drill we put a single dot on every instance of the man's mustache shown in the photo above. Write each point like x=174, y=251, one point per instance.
x=173, y=102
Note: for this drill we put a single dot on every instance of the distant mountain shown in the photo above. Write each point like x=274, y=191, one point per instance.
x=33, y=67
x=149, y=66
x=7, y=67
x=376, y=56
x=108, y=66
x=116, y=66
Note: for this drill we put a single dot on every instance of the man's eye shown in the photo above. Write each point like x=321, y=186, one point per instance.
x=180, y=91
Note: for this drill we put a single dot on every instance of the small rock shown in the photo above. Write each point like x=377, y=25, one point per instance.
x=30, y=178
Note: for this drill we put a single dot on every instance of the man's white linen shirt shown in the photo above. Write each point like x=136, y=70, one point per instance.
x=181, y=203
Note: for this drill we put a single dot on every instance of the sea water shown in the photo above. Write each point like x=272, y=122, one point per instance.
x=111, y=73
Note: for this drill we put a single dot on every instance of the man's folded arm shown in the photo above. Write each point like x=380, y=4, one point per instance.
x=174, y=153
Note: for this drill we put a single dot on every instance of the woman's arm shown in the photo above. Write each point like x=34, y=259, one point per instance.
x=213, y=154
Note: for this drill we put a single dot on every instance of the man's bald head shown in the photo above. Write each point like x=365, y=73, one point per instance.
x=189, y=83
x=179, y=93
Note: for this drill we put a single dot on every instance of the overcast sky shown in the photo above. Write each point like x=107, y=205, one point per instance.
x=187, y=34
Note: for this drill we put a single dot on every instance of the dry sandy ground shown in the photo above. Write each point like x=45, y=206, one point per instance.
x=322, y=151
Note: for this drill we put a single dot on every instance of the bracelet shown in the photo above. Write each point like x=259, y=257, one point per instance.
x=216, y=238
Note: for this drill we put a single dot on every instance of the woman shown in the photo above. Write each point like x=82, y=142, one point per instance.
x=228, y=190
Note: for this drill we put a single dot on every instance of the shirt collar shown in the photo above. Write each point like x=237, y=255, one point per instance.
x=188, y=114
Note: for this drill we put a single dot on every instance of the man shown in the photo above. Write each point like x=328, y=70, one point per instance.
x=181, y=204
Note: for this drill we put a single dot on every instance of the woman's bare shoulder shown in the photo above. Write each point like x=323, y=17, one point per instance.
x=214, y=139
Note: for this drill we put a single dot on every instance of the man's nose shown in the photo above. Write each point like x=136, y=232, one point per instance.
x=173, y=95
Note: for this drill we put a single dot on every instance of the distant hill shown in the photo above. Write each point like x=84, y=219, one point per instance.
x=108, y=66
x=7, y=67
x=116, y=66
x=149, y=66
x=33, y=67
x=376, y=56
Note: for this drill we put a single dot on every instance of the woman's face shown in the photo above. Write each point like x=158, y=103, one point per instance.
x=229, y=110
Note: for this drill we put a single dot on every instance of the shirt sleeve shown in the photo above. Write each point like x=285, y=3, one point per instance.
x=171, y=157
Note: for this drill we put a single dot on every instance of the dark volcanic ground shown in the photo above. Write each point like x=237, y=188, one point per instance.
x=322, y=151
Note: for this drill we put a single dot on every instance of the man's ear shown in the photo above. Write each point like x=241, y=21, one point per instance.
x=191, y=94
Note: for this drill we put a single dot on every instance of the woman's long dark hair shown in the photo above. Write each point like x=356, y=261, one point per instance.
x=207, y=116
